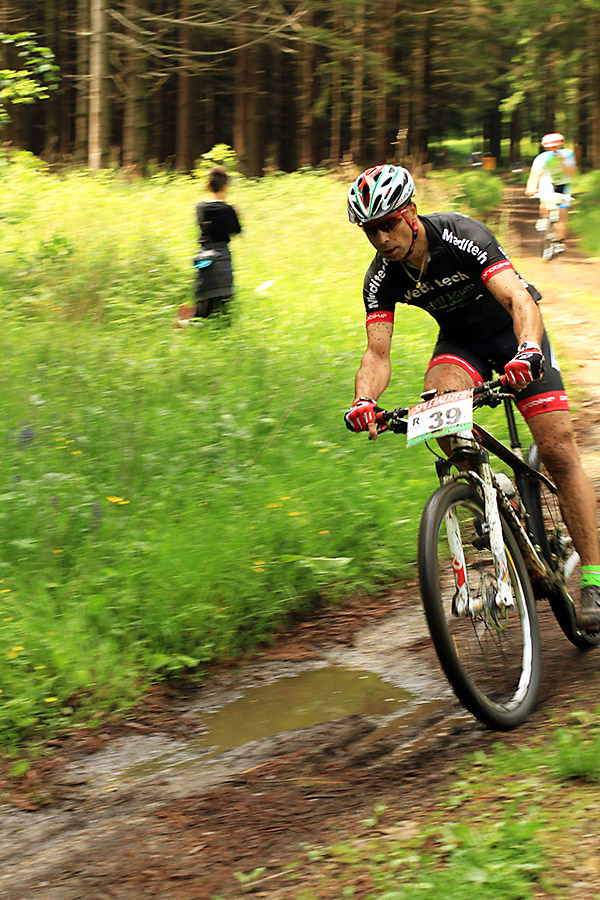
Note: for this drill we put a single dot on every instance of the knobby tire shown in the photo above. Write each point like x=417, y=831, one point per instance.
x=492, y=658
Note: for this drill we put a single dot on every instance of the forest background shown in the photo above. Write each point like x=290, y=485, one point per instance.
x=305, y=83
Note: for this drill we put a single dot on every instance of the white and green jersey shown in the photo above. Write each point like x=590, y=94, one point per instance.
x=552, y=164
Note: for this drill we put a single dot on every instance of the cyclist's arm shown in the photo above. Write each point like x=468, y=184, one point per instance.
x=375, y=368
x=532, y=182
x=525, y=313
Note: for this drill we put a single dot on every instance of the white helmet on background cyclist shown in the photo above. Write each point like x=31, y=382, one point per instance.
x=553, y=141
x=379, y=192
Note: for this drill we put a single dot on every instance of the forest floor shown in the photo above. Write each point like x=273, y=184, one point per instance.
x=296, y=745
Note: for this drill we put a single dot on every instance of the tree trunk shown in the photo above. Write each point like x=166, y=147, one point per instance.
x=495, y=130
x=381, y=49
x=82, y=79
x=358, y=82
x=246, y=116
x=239, y=116
x=418, y=129
x=515, y=134
x=185, y=97
x=98, y=107
x=335, y=137
x=594, y=53
x=134, y=112
x=305, y=100
x=57, y=40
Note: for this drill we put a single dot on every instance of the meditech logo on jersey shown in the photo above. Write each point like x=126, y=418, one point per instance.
x=374, y=284
x=494, y=269
x=465, y=244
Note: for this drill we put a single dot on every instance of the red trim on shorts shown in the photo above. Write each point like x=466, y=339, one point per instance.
x=548, y=402
x=448, y=358
x=495, y=268
x=382, y=315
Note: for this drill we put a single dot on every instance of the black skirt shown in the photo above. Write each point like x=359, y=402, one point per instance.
x=215, y=280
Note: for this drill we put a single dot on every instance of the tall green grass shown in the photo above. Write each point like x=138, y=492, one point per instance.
x=172, y=497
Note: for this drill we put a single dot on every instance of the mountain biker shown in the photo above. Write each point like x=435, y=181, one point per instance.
x=453, y=267
x=551, y=174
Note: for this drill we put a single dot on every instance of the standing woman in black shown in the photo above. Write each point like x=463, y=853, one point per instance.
x=217, y=221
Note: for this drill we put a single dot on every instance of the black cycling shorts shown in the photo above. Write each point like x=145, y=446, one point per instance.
x=491, y=354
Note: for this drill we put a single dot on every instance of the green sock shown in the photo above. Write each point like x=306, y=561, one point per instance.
x=590, y=575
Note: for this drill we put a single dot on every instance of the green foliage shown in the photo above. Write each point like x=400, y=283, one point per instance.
x=585, y=220
x=493, y=860
x=219, y=155
x=480, y=192
x=37, y=76
x=578, y=748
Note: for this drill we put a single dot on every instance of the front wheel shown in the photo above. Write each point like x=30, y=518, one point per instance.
x=491, y=654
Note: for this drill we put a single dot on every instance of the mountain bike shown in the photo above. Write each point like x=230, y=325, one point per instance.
x=489, y=547
x=551, y=244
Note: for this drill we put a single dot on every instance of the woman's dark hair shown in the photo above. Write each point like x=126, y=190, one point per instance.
x=217, y=179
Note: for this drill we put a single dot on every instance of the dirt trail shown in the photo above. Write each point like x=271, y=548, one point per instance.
x=143, y=810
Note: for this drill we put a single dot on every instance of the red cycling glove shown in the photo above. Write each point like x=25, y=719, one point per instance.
x=360, y=414
x=526, y=366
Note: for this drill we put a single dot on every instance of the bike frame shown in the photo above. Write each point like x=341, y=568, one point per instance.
x=472, y=462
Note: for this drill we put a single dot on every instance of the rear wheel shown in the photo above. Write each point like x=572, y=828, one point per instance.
x=560, y=554
x=491, y=656
x=549, y=240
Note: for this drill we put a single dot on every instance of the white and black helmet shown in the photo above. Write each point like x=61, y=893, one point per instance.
x=379, y=192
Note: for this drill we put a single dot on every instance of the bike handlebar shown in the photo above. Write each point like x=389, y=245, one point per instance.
x=395, y=419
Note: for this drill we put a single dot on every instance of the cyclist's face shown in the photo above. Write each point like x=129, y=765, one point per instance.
x=392, y=236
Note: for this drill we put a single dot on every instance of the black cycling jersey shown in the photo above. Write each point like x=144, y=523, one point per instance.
x=463, y=255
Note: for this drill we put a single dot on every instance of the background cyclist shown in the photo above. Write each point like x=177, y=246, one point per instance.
x=453, y=267
x=551, y=173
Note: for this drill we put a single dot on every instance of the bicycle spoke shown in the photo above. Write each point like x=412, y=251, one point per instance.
x=492, y=644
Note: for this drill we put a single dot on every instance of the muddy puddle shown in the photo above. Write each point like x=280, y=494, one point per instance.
x=348, y=696
x=292, y=703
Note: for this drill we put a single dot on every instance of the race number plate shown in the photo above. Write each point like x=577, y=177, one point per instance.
x=445, y=414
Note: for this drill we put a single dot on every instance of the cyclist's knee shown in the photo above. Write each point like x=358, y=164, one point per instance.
x=447, y=377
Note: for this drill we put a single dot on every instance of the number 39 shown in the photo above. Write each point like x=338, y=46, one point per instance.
x=449, y=416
